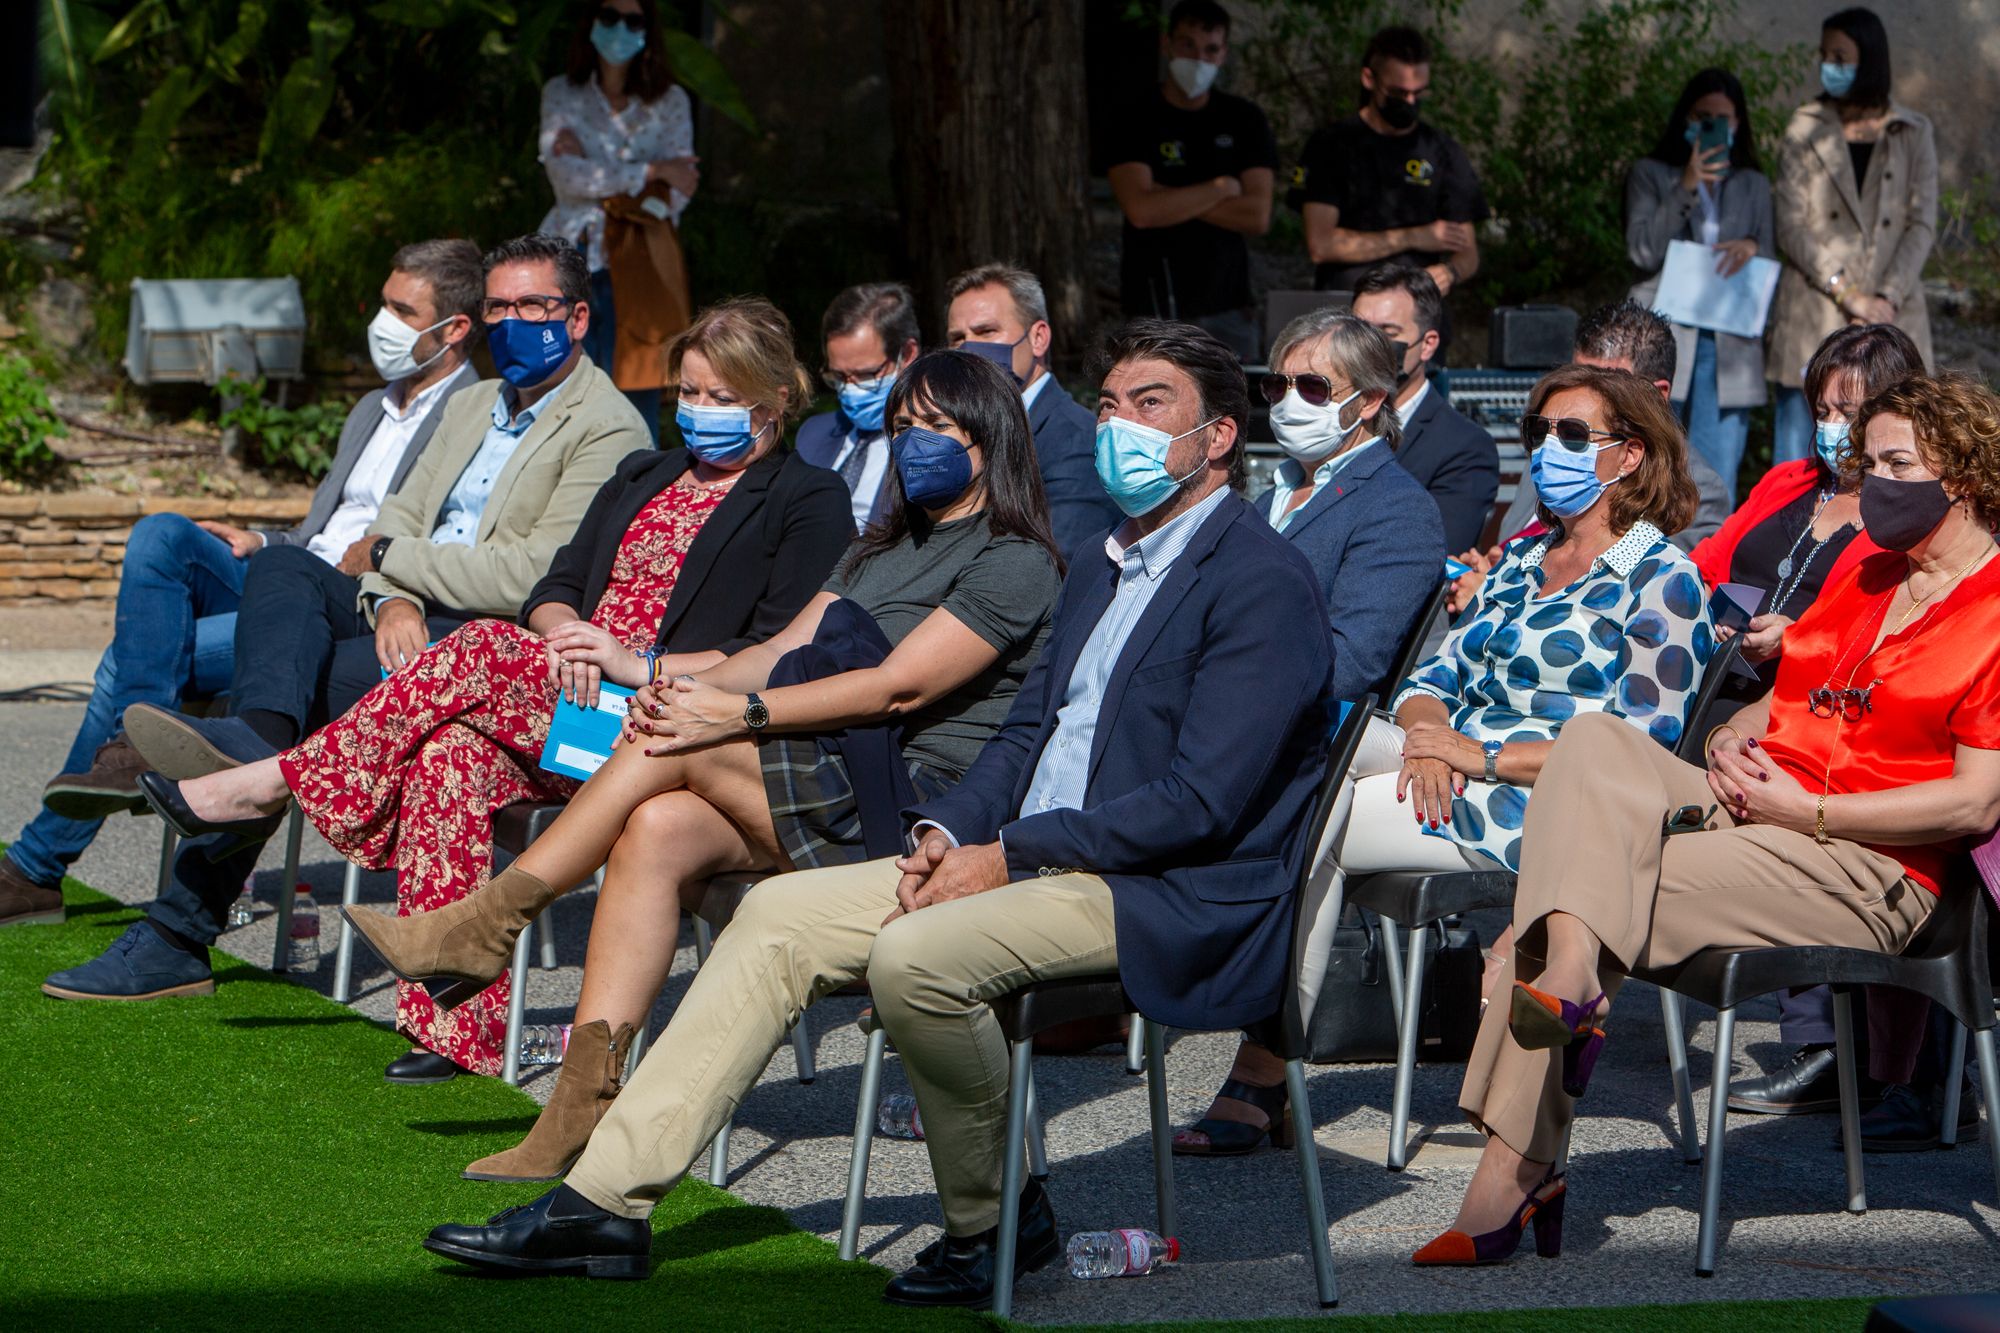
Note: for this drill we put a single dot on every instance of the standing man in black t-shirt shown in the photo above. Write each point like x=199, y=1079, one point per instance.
x=1383, y=185
x=1194, y=173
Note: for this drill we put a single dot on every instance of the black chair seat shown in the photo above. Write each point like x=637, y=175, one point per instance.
x=1041, y=1005
x=1417, y=897
x=517, y=825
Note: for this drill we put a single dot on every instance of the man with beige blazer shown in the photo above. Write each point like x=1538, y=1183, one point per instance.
x=505, y=482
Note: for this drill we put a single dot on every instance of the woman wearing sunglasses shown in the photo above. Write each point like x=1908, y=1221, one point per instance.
x=617, y=141
x=1839, y=801
x=1375, y=539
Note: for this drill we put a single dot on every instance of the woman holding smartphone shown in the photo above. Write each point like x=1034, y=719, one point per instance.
x=1701, y=183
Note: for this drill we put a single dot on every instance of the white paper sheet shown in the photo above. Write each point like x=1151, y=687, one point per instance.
x=1693, y=293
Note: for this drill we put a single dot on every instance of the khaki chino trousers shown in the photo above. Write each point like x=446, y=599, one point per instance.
x=1592, y=847
x=800, y=936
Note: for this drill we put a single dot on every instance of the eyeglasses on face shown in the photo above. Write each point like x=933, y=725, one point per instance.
x=839, y=379
x=1850, y=705
x=533, y=309
x=1316, y=390
x=1572, y=434
x=607, y=17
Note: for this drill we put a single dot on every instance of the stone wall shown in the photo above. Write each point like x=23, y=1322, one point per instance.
x=66, y=549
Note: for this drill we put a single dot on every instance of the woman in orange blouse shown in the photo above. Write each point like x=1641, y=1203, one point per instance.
x=1832, y=806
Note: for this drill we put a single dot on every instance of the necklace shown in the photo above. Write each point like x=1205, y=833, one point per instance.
x=1916, y=601
x=1785, y=590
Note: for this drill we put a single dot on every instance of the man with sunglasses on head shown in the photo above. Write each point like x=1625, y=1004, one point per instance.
x=503, y=485
x=869, y=335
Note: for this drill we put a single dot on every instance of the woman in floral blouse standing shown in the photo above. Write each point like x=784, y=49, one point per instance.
x=618, y=143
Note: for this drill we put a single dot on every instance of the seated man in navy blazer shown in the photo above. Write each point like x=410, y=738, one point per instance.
x=1450, y=455
x=1143, y=810
x=999, y=312
x=870, y=334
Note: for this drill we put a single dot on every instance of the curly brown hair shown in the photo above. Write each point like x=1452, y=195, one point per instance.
x=1658, y=490
x=1956, y=420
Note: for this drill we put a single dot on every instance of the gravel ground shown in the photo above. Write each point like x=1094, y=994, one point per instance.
x=1631, y=1225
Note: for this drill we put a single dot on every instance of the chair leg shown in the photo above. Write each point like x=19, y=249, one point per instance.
x=802, y=1051
x=1308, y=1150
x=1020, y=1087
x=704, y=940
x=1408, y=1029
x=1850, y=1099
x=343, y=958
x=1168, y=1215
x=1989, y=1093
x=718, y=1149
x=1671, y=1010
x=168, y=842
x=1135, y=1047
x=294, y=831
x=517, y=1006
x=635, y=1052
x=1711, y=1167
x=866, y=1107
x=1954, y=1074
x=1392, y=964
x=1038, y=1153
x=547, y=929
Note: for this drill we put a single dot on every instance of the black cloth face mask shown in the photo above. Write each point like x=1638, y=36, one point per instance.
x=1899, y=514
x=1396, y=113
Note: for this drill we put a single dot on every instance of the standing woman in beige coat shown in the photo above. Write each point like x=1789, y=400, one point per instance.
x=1856, y=203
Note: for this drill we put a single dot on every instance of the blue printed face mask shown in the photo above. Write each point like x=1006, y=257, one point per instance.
x=863, y=403
x=1830, y=441
x=1567, y=483
x=1838, y=80
x=1132, y=463
x=526, y=353
x=935, y=469
x=616, y=42
x=720, y=436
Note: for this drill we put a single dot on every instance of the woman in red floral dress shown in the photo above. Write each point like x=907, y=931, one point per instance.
x=412, y=776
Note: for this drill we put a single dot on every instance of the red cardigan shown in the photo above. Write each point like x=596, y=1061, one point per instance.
x=1781, y=485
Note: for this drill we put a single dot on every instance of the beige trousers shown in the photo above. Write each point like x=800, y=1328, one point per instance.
x=1592, y=848
x=799, y=936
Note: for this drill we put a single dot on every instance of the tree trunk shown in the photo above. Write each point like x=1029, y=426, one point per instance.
x=990, y=162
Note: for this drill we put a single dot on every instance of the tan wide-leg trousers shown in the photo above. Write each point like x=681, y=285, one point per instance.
x=1592, y=848
x=798, y=937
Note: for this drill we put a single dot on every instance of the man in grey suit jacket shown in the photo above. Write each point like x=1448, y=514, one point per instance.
x=181, y=580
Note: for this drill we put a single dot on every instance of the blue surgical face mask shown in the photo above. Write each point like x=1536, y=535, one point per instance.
x=720, y=436
x=935, y=469
x=863, y=403
x=1838, y=80
x=1830, y=441
x=1132, y=463
x=616, y=42
x=1567, y=483
x=526, y=353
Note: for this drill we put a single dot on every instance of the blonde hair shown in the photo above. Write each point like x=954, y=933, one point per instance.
x=749, y=342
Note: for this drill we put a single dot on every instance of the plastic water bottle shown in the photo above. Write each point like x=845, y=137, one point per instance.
x=304, y=954
x=244, y=909
x=898, y=1118
x=544, y=1043
x=1129, y=1252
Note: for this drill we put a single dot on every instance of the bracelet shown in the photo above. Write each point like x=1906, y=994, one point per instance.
x=651, y=657
x=1819, y=825
x=1708, y=746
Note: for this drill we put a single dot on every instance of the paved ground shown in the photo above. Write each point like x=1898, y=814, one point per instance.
x=1631, y=1225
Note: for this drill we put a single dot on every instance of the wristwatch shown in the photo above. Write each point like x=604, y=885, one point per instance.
x=755, y=715
x=377, y=551
x=1492, y=749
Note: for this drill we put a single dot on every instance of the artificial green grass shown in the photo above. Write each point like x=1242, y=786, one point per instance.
x=239, y=1162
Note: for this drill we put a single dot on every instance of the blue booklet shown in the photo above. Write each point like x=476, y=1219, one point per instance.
x=580, y=739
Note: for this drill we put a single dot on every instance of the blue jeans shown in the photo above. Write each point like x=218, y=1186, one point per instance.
x=175, y=633
x=602, y=338
x=1715, y=432
x=1793, y=438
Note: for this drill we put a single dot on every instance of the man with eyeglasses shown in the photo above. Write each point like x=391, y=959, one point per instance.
x=503, y=485
x=869, y=335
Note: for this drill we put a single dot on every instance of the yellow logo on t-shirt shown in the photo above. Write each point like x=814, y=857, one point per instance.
x=1416, y=171
x=1171, y=152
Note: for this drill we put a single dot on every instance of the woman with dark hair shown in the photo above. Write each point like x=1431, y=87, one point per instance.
x=1856, y=202
x=726, y=770
x=617, y=141
x=1693, y=187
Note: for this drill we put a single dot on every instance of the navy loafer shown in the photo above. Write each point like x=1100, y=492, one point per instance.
x=185, y=747
x=139, y=965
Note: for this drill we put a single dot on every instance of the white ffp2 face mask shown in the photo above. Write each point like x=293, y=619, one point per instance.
x=1193, y=77
x=390, y=343
x=1311, y=435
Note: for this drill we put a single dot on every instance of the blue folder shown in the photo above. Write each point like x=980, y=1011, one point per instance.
x=580, y=739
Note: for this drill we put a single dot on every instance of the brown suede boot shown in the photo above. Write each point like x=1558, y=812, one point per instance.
x=459, y=949
x=592, y=1066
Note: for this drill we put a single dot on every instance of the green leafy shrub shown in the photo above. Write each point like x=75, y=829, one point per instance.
x=27, y=422
x=1968, y=249
x=298, y=440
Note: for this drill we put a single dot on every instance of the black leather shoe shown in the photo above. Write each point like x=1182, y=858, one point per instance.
x=1806, y=1084
x=958, y=1270
x=164, y=795
x=420, y=1066
x=1905, y=1121
x=561, y=1232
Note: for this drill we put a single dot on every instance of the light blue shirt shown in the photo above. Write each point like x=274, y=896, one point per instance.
x=469, y=497
x=1290, y=479
x=1063, y=771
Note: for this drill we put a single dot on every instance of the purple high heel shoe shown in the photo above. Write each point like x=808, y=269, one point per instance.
x=1456, y=1249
